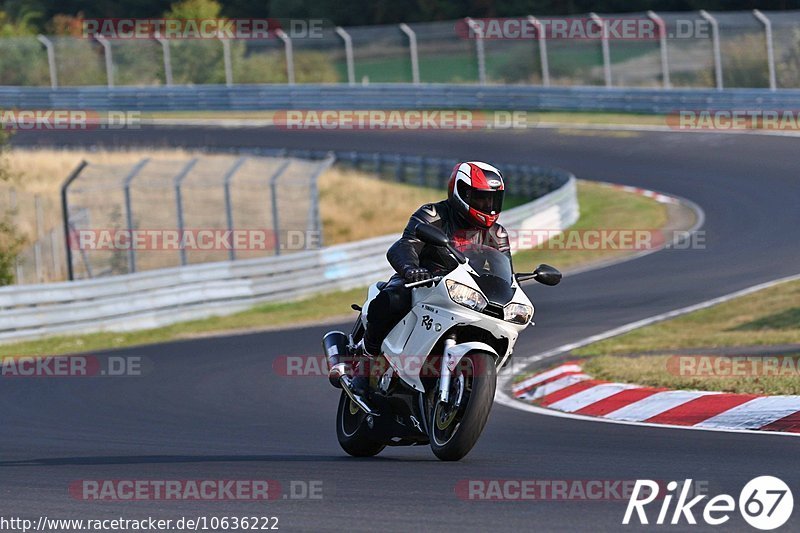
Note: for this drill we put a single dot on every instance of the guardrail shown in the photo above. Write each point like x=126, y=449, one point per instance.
x=161, y=297
x=394, y=96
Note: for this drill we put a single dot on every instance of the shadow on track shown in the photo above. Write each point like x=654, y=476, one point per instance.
x=177, y=459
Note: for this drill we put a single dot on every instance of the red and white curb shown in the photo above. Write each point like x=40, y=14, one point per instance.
x=568, y=389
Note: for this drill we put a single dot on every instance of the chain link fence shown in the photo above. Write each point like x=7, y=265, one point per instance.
x=36, y=221
x=164, y=213
x=749, y=49
x=161, y=213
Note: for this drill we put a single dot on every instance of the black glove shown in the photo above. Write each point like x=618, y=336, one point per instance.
x=415, y=274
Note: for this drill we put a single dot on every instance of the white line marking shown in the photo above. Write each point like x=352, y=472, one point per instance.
x=659, y=129
x=503, y=398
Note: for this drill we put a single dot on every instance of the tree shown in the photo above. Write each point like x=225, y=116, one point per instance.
x=11, y=241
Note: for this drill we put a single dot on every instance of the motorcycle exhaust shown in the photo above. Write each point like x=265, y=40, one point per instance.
x=334, y=344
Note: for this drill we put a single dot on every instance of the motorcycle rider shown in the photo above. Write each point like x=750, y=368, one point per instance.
x=468, y=216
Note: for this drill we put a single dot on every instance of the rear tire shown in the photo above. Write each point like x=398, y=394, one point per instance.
x=352, y=430
x=454, y=431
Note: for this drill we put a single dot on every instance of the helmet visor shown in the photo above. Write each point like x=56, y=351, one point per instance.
x=484, y=201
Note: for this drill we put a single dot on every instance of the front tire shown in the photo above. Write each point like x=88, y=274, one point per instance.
x=456, y=426
x=352, y=430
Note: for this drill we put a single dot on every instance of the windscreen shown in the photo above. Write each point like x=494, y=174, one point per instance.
x=487, y=261
x=495, y=275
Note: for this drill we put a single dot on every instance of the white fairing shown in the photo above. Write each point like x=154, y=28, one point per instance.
x=433, y=313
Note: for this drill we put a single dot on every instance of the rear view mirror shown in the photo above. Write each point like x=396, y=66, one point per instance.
x=435, y=237
x=544, y=274
x=431, y=235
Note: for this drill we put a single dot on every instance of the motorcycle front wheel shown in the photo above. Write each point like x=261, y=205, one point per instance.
x=456, y=425
x=352, y=430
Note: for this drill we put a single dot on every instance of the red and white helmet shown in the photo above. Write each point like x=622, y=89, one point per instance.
x=476, y=192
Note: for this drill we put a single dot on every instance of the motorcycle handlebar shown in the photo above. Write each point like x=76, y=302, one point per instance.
x=434, y=279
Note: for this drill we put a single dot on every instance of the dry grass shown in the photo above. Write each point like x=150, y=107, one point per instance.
x=768, y=317
x=355, y=206
x=346, y=216
x=602, y=208
x=43, y=171
x=659, y=371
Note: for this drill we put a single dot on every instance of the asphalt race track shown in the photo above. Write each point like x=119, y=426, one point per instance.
x=214, y=408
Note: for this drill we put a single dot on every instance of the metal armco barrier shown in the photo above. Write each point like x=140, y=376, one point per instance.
x=162, y=297
x=394, y=96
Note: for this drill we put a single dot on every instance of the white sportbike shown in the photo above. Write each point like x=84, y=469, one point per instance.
x=435, y=380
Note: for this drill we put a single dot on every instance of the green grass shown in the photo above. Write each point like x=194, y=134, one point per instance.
x=602, y=207
x=534, y=117
x=767, y=317
x=763, y=318
x=505, y=62
x=663, y=371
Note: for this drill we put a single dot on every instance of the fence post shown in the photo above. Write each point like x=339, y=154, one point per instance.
x=177, y=181
x=226, y=58
x=412, y=47
x=348, y=52
x=65, y=215
x=167, y=59
x=126, y=189
x=226, y=180
x=770, y=47
x=287, y=43
x=605, y=48
x=662, y=45
x=39, y=231
x=315, y=223
x=108, y=58
x=51, y=59
x=476, y=29
x=273, y=189
x=54, y=254
x=715, y=44
x=12, y=207
x=542, y=40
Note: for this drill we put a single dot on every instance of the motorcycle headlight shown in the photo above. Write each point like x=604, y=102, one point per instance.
x=466, y=296
x=517, y=313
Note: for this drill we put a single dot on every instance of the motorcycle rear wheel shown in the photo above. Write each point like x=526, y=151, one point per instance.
x=352, y=430
x=456, y=426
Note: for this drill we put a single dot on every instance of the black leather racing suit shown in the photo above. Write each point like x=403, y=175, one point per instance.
x=394, y=300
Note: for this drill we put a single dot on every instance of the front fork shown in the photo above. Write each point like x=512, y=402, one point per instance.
x=444, y=372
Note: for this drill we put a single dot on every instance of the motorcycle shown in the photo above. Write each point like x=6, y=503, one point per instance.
x=435, y=381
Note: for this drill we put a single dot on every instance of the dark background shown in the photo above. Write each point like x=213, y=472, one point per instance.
x=38, y=14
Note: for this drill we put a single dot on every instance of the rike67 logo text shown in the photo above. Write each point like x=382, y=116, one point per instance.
x=765, y=503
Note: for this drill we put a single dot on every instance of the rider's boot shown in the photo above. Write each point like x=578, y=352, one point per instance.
x=360, y=382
